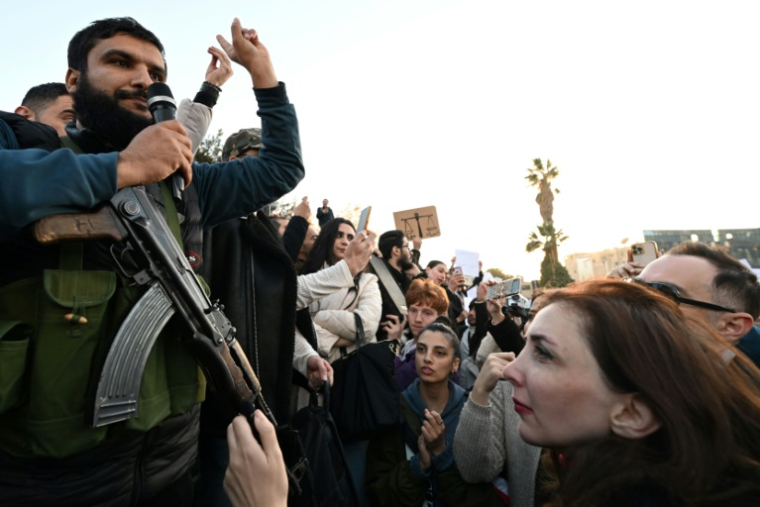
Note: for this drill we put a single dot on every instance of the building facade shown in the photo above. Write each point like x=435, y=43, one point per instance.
x=585, y=266
x=740, y=243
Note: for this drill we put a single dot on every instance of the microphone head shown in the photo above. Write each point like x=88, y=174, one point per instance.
x=159, y=94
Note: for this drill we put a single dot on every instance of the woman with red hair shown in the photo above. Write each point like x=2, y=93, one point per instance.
x=426, y=301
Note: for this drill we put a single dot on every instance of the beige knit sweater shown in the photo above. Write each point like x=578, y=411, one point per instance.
x=487, y=438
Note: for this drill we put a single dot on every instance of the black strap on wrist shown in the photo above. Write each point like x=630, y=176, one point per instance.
x=208, y=94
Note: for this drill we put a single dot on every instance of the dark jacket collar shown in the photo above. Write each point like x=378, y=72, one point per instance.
x=31, y=134
x=88, y=141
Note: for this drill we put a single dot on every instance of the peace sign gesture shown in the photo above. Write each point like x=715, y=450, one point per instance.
x=248, y=51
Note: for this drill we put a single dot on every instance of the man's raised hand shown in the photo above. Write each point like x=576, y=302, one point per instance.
x=303, y=209
x=248, y=51
x=220, y=68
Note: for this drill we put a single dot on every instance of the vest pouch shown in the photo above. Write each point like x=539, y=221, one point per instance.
x=74, y=314
x=69, y=311
x=14, y=345
x=72, y=318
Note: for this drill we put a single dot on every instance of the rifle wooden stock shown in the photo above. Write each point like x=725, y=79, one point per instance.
x=102, y=224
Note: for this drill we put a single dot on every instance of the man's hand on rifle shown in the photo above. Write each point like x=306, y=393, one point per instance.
x=248, y=51
x=154, y=154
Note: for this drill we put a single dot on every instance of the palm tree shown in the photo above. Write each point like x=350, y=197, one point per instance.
x=552, y=272
x=541, y=178
x=552, y=239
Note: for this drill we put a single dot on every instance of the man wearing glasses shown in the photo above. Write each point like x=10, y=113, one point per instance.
x=397, y=258
x=708, y=282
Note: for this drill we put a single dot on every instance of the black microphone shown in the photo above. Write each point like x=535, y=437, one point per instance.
x=163, y=108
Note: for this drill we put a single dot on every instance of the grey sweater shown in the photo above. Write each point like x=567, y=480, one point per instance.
x=487, y=438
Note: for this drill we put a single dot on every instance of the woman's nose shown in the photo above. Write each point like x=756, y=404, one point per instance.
x=513, y=372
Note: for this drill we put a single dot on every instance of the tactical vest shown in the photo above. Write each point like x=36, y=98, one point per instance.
x=51, y=358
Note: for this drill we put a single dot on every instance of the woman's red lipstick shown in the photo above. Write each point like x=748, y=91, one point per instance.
x=521, y=408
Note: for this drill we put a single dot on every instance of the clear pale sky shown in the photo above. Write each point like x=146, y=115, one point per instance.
x=649, y=109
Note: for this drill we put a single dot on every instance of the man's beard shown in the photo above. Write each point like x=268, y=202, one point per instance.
x=102, y=114
x=405, y=262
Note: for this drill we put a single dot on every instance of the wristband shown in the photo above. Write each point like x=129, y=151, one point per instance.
x=212, y=85
x=208, y=94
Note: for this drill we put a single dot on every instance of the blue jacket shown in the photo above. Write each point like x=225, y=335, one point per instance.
x=450, y=416
x=750, y=345
x=37, y=183
x=394, y=478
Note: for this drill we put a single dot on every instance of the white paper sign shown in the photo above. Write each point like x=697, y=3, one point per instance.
x=468, y=261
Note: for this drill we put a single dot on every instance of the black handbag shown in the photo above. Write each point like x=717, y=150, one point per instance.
x=312, y=447
x=365, y=396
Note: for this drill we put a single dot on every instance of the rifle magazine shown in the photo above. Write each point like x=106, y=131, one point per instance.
x=118, y=388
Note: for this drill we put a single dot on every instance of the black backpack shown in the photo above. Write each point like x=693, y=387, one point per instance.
x=313, y=451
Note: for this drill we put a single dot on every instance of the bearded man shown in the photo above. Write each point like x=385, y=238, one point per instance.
x=397, y=258
x=49, y=454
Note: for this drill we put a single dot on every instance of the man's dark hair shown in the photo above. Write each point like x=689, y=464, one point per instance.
x=84, y=40
x=388, y=240
x=40, y=97
x=734, y=285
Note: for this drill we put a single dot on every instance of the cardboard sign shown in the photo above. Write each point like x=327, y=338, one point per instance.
x=422, y=222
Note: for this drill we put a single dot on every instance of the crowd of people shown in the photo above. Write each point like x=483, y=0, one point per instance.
x=639, y=389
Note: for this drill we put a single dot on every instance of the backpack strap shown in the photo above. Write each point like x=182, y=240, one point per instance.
x=172, y=219
x=386, y=278
x=69, y=143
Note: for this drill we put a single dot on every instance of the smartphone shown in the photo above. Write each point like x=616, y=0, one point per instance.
x=364, y=219
x=644, y=253
x=456, y=271
x=506, y=288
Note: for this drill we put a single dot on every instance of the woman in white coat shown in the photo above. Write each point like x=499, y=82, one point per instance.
x=334, y=319
x=333, y=315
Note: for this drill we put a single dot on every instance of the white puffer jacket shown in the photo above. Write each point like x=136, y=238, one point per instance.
x=333, y=315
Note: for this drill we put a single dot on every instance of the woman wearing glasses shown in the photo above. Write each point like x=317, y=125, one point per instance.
x=632, y=402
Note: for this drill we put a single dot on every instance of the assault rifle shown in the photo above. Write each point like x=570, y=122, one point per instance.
x=146, y=252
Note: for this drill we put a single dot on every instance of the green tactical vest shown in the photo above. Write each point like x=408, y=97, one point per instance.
x=47, y=358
